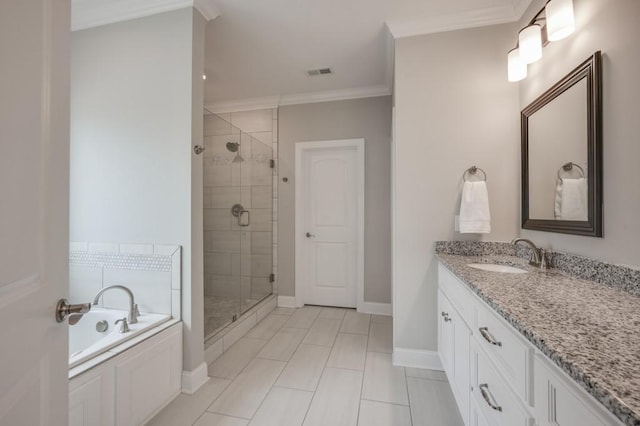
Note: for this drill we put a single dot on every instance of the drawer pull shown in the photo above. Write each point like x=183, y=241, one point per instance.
x=445, y=315
x=484, y=390
x=488, y=337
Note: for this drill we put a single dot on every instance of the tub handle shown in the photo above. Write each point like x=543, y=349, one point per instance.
x=74, y=312
x=124, y=326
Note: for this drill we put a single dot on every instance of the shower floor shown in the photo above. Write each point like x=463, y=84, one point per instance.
x=219, y=312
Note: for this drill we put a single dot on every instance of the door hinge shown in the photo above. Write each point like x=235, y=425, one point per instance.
x=272, y=163
x=272, y=277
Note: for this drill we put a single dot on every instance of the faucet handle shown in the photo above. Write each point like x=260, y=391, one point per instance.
x=124, y=327
x=544, y=264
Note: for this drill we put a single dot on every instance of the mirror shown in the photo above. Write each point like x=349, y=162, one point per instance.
x=562, y=155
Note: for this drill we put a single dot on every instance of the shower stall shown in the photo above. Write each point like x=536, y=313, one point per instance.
x=238, y=221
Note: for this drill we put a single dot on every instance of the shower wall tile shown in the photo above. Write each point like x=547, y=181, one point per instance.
x=260, y=265
x=261, y=220
x=253, y=121
x=224, y=196
x=216, y=125
x=261, y=197
x=261, y=242
x=206, y=241
x=264, y=137
x=246, y=247
x=218, y=263
x=218, y=219
x=218, y=175
x=245, y=197
x=225, y=241
x=206, y=197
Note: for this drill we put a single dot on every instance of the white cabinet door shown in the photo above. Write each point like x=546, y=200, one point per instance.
x=454, y=336
x=34, y=210
x=446, y=342
x=91, y=398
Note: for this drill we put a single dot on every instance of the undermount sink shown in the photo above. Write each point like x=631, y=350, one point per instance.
x=493, y=267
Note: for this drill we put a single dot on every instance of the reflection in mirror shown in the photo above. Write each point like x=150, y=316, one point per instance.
x=562, y=155
x=557, y=136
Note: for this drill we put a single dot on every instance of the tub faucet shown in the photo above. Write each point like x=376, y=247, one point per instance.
x=538, y=258
x=133, y=308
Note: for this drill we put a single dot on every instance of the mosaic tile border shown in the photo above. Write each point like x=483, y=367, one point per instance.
x=135, y=262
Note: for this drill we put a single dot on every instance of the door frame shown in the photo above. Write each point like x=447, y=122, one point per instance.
x=301, y=148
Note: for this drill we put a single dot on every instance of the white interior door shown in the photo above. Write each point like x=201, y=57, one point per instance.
x=330, y=198
x=34, y=188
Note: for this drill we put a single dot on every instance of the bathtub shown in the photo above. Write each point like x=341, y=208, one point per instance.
x=86, y=342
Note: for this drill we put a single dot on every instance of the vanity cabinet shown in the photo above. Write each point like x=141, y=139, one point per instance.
x=497, y=376
x=453, y=340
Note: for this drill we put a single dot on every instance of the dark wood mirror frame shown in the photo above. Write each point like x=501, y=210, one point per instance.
x=591, y=69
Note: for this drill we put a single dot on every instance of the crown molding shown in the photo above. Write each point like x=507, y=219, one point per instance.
x=87, y=14
x=459, y=21
x=251, y=104
x=335, y=95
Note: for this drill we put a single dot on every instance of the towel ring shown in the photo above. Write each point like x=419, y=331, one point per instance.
x=472, y=171
x=568, y=167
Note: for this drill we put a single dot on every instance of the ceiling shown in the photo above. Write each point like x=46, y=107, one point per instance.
x=258, y=52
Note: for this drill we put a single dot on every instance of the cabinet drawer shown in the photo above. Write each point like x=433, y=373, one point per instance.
x=510, y=353
x=460, y=297
x=493, y=397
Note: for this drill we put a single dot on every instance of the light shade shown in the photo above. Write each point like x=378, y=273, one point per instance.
x=530, y=43
x=560, y=21
x=516, y=68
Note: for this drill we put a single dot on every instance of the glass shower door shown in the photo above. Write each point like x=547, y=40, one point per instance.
x=238, y=209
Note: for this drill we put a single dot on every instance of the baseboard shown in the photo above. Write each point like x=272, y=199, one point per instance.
x=375, y=308
x=417, y=358
x=287, y=302
x=194, y=379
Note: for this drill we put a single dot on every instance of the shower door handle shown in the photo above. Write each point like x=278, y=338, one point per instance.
x=242, y=222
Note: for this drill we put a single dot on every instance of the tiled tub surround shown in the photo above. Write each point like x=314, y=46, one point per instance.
x=151, y=271
x=591, y=331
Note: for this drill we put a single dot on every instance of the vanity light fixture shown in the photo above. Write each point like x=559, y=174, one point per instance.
x=552, y=23
x=517, y=69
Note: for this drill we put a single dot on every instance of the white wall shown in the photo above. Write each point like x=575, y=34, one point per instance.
x=360, y=118
x=133, y=117
x=454, y=108
x=612, y=27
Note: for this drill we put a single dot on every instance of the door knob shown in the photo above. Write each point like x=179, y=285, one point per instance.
x=310, y=235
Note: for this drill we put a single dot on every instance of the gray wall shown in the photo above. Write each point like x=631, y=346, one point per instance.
x=361, y=118
x=133, y=116
x=612, y=27
x=454, y=108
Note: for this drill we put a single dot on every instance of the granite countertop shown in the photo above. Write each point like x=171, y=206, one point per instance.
x=590, y=330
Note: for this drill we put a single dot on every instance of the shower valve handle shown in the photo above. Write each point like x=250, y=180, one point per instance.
x=310, y=235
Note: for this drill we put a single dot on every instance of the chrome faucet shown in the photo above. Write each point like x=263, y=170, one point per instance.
x=538, y=259
x=133, y=308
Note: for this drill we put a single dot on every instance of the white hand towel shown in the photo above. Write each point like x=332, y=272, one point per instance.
x=475, y=217
x=571, y=199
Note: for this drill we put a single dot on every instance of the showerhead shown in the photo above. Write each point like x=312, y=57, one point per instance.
x=235, y=147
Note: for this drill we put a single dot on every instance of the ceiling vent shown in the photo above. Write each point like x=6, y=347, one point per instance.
x=319, y=71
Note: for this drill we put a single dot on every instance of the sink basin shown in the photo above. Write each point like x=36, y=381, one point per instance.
x=493, y=267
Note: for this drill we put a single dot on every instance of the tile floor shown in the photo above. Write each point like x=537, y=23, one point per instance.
x=315, y=366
